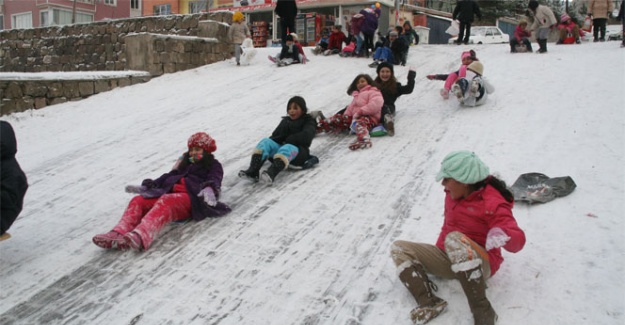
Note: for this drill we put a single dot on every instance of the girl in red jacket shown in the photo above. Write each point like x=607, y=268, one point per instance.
x=478, y=223
x=362, y=114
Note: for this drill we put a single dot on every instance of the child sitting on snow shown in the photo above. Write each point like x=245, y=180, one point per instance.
x=473, y=89
x=190, y=190
x=521, y=36
x=337, y=38
x=569, y=31
x=288, y=144
x=467, y=58
x=322, y=45
x=361, y=115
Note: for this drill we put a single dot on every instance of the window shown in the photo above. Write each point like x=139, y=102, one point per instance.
x=63, y=17
x=197, y=6
x=24, y=20
x=110, y=2
x=162, y=10
x=44, y=18
x=134, y=4
x=1, y=22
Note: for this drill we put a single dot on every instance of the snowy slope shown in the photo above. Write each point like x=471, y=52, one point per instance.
x=313, y=248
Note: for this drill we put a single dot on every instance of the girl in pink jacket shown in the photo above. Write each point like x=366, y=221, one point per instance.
x=362, y=114
x=467, y=57
x=478, y=223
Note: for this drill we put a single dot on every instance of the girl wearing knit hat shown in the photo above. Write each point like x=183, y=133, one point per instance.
x=288, y=145
x=467, y=57
x=473, y=89
x=190, y=190
x=237, y=33
x=391, y=90
x=569, y=31
x=477, y=223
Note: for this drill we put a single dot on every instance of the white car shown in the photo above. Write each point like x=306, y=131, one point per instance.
x=485, y=35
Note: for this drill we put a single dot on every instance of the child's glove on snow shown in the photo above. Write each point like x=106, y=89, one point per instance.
x=208, y=195
x=431, y=76
x=496, y=238
x=136, y=189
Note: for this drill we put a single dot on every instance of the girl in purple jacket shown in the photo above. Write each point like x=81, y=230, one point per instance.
x=478, y=223
x=190, y=190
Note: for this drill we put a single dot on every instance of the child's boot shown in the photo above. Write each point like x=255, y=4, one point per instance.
x=389, y=124
x=253, y=170
x=110, y=240
x=279, y=164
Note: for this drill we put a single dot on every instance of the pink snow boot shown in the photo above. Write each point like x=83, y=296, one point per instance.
x=110, y=240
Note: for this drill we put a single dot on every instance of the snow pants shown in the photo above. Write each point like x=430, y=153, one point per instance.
x=147, y=217
x=270, y=148
x=461, y=254
x=384, y=54
x=339, y=122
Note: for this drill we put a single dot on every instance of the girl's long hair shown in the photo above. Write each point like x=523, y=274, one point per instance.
x=496, y=183
x=389, y=86
x=354, y=85
x=206, y=161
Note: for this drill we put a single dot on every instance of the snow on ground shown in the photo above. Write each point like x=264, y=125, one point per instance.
x=313, y=248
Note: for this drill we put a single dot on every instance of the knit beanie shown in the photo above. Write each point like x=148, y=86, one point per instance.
x=564, y=17
x=202, y=140
x=385, y=65
x=464, y=167
x=468, y=54
x=477, y=67
x=289, y=38
x=237, y=17
x=533, y=5
x=299, y=101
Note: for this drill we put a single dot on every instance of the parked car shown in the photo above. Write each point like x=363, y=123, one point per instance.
x=485, y=35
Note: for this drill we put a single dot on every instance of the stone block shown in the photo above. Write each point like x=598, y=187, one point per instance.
x=85, y=88
x=40, y=102
x=58, y=100
x=101, y=86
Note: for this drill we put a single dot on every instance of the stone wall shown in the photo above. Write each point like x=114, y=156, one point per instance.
x=99, y=46
x=157, y=45
x=19, y=94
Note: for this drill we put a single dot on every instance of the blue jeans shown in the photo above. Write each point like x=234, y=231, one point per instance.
x=272, y=149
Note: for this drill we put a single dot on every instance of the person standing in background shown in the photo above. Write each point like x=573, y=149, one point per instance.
x=14, y=182
x=599, y=10
x=286, y=10
x=465, y=13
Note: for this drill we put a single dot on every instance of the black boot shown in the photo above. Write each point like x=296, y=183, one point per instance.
x=255, y=164
x=270, y=174
x=542, y=43
x=474, y=286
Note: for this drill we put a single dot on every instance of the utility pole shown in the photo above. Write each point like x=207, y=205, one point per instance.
x=74, y=12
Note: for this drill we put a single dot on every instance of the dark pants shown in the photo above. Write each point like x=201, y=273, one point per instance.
x=598, y=28
x=464, y=33
x=284, y=26
x=514, y=42
x=368, y=45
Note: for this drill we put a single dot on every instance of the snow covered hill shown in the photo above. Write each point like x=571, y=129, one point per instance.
x=314, y=248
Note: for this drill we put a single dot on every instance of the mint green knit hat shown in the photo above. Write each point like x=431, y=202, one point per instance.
x=463, y=166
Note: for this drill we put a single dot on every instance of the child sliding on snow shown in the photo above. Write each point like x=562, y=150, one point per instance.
x=361, y=115
x=289, y=143
x=191, y=190
x=473, y=89
x=467, y=58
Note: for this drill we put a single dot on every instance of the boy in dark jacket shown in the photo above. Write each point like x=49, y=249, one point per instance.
x=288, y=144
x=14, y=183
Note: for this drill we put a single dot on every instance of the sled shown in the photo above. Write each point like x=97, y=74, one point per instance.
x=310, y=163
x=537, y=187
x=521, y=48
x=5, y=236
x=360, y=144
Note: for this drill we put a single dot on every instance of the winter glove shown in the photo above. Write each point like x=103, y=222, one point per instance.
x=412, y=73
x=431, y=76
x=496, y=238
x=136, y=189
x=208, y=195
